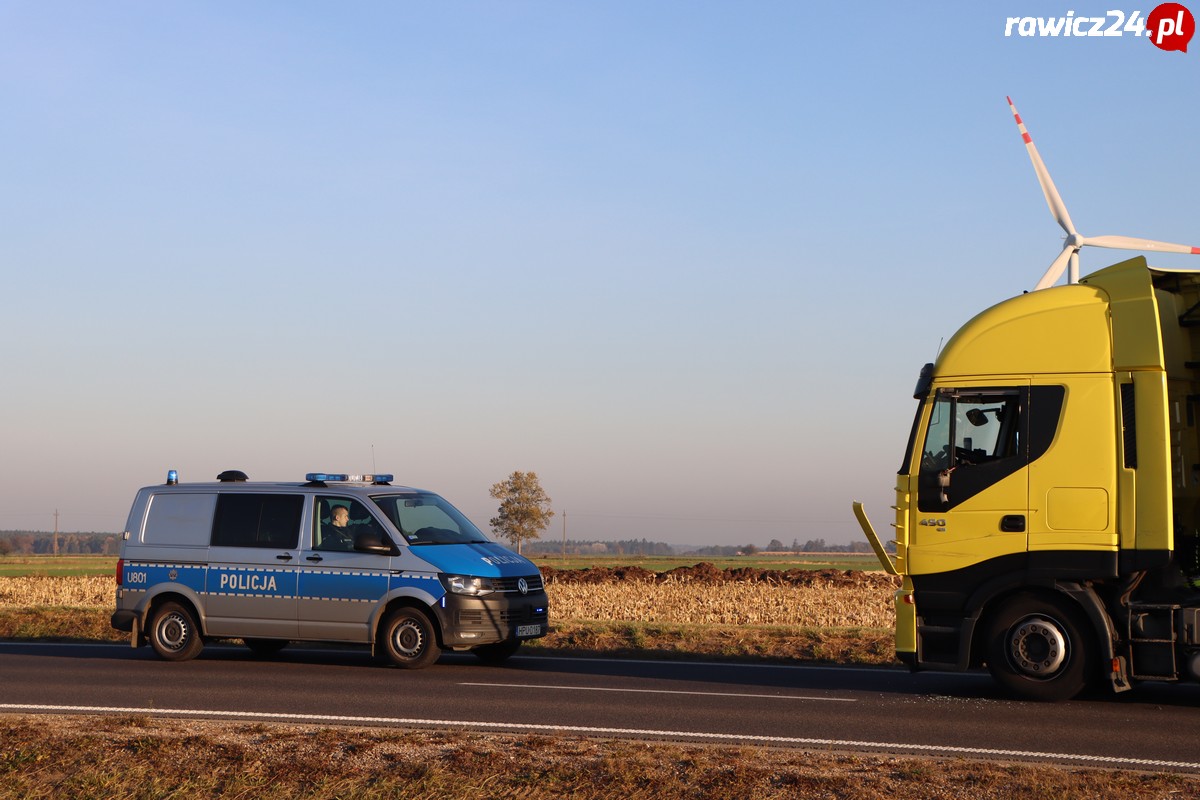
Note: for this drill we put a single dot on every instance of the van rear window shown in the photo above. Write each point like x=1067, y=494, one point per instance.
x=179, y=519
x=257, y=520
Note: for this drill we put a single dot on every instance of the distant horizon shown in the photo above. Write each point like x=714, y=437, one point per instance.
x=545, y=545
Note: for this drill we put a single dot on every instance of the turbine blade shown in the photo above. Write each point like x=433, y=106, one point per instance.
x=1056, y=269
x=1053, y=199
x=1131, y=243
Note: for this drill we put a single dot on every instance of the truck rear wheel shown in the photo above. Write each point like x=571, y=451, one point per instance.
x=174, y=634
x=1038, y=648
x=409, y=639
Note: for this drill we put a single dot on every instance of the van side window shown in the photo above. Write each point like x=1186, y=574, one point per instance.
x=180, y=519
x=258, y=520
x=337, y=521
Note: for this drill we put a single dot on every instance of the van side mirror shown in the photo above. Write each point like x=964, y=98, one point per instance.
x=373, y=542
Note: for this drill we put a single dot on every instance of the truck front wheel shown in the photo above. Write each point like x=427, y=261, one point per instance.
x=1038, y=648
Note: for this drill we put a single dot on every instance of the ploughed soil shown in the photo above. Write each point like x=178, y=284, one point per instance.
x=709, y=574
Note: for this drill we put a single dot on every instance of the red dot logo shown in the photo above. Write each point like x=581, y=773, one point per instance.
x=1170, y=27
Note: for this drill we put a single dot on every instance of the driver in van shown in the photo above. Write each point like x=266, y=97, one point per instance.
x=336, y=534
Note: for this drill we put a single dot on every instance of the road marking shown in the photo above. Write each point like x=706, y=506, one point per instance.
x=794, y=741
x=658, y=691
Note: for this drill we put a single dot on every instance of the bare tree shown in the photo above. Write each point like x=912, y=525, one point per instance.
x=524, y=508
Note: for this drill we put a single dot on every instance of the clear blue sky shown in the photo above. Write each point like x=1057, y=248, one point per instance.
x=682, y=259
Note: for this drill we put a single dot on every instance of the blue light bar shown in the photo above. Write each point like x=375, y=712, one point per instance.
x=325, y=477
x=172, y=477
x=341, y=477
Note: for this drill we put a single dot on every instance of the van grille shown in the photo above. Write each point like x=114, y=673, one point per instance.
x=510, y=584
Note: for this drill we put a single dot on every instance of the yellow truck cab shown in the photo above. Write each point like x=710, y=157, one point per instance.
x=1047, y=503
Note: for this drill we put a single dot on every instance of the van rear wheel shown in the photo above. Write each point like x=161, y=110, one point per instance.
x=409, y=639
x=174, y=634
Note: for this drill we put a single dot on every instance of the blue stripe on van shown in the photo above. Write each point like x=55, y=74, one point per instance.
x=349, y=585
x=251, y=582
x=341, y=585
x=140, y=576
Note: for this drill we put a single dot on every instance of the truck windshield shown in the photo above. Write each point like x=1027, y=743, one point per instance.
x=428, y=519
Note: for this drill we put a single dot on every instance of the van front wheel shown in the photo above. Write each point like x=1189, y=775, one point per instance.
x=174, y=634
x=409, y=639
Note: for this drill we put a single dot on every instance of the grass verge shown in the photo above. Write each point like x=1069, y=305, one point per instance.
x=717, y=642
x=141, y=757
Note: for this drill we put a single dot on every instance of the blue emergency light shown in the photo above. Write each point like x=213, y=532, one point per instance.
x=172, y=477
x=341, y=477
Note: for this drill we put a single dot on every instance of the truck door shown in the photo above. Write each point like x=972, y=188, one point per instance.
x=973, y=481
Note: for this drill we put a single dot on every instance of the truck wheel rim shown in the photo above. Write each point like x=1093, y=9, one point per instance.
x=408, y=639
x=1037, y=647
x=173, y=632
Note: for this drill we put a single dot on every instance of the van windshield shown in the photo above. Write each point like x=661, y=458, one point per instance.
x=428, y=519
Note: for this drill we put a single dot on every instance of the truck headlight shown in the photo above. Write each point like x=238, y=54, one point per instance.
x=468, y=585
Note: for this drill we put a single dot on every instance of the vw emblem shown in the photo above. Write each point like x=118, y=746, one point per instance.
x=522, y=586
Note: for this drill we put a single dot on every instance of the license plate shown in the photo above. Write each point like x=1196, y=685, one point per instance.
x=525, y=631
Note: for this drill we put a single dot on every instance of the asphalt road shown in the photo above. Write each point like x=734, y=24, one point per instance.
x=1155, y=727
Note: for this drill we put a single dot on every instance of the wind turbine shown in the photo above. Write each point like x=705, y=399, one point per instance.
x=1074, y=239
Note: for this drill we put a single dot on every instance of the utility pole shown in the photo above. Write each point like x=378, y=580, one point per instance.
x=564, y=553
x=54, y=538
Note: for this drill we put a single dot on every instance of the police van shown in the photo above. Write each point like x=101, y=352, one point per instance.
x=337, y=558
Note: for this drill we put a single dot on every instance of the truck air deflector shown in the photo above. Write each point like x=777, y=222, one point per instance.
x=884, y=559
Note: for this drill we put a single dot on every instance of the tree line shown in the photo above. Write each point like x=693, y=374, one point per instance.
x=29, y=543
x=644, y=547
x=40, y=543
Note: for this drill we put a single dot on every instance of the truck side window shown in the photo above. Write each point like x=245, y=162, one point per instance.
x=973, y=439
x=257, y=520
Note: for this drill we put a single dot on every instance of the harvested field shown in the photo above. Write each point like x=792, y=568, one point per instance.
x=709, y=596
x=32, y=591
x=700, y=595
x=692, y=612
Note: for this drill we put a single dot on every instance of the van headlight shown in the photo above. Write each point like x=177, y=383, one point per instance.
x=468, y=585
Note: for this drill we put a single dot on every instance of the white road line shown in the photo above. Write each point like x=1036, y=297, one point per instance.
x=658, y=691
x=582, y=729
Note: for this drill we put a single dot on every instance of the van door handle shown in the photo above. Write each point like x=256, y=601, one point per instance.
x=1013, y=523
x=284, y=557
x=314, y=558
